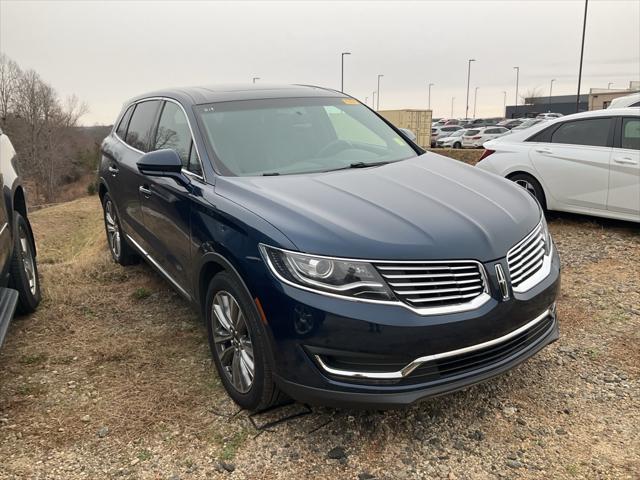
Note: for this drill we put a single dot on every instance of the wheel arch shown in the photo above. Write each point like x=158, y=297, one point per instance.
x=20, y=205
x=548, y=200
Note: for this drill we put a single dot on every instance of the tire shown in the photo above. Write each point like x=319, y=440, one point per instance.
x=532, y=186
x=120, y=250
x=24, y=269
x=457, y=145
x=233, y=343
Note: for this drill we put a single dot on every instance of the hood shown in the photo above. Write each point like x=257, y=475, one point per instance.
x=426, y=208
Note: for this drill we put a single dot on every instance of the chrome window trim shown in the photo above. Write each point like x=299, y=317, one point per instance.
x=153, y=261
x=167, y=99
x=410, y=367
x=475, y=303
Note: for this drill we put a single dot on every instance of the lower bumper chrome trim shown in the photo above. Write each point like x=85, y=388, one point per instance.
x=399, y=374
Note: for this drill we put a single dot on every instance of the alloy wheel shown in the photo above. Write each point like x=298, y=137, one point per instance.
x=28, y=261
x=113, y=230
x=232, y=341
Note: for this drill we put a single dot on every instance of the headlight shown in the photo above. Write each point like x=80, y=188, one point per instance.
x=326, y=274
x=546, y=235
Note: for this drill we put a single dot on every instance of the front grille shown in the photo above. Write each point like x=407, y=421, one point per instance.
x=526, y=258
x=434, y=284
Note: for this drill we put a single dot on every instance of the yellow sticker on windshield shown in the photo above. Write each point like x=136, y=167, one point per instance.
x=350, y=101
x=399, y=141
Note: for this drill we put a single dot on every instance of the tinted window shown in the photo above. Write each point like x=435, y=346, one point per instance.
x=491, y=130
x=631, y=133
x=471, y=132
x=637, y=104
x=173, y=132
x=124, y=122
x=194, y=161
x=593, y=132
x=140, y=125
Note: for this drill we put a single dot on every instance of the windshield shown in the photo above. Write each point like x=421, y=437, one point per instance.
x=298, y=135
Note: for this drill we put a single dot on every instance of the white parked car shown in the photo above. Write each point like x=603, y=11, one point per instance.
x=583, y=163
x=530, y=122
x=632, y=100
x=475, y=137
x=549, y=116
x=441, y=132
x=453, y=140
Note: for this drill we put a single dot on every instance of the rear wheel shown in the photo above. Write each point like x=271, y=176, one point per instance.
x=457, y=145
x=238, y=344
x=24, y=269
x=532, y=186
x=120, y=250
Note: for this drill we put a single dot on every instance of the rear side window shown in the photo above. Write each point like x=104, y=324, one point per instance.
x=124, y=123
x=173, y=132
x=140, y=125
x=543, y=136
x=471, y=132
x=631, y=133
x=593, y=132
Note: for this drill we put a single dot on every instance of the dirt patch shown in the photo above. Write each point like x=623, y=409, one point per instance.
x=470, y=156
x=111, y=378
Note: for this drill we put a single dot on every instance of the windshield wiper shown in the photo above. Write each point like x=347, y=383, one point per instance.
x=270, y=174
x=359, y=165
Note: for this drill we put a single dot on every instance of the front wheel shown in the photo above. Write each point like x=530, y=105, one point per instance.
x=120, y=250
x=532, y=186
x=457, y=145
x=24, y=269
x=238, y=343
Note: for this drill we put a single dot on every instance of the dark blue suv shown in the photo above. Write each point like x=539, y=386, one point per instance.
x=332, y=259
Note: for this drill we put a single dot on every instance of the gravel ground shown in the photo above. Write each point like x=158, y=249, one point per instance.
x=111, y=378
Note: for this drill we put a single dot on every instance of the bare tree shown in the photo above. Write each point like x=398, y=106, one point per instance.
x=9, y=77
x=530, y=93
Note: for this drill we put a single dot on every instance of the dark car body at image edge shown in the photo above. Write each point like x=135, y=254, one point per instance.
x=387, y=276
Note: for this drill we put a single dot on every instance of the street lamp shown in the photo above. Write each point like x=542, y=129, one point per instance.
x=475, y=99
x=254, y=79
x=584, y=29
x=504, y=102
x=609, y=85
x=342, y=70
x=429, y=102
x=378, y=104
x=466, y=112
x=452, y=99
x=373, y=101
x=366, y=100
x=551, y=92
x=517, y=69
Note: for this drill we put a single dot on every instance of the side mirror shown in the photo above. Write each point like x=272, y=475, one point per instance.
x=408, y=133
x=163, y=163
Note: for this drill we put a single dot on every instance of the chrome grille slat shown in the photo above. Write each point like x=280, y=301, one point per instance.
x=431, y=275
x=526, y=257
x=434, y=284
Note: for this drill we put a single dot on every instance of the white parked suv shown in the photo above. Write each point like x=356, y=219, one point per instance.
x=452, y=140
x=441, y=132
x=583, y=163
x=476, y=137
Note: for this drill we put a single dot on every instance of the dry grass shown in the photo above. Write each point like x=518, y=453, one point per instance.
x=111, y=378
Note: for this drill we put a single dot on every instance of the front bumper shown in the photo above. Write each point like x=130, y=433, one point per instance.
x=316, y=339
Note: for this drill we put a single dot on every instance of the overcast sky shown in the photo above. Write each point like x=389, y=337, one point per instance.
x=106, y=52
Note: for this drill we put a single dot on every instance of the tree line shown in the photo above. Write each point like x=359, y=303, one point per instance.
x=43, y=127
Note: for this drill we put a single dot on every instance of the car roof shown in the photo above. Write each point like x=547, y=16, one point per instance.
x=225, y=93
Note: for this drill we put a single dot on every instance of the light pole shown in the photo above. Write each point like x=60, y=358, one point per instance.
x=378, y=104
x=342, y=70
x=517, y=69
x=551, y=91
x=504, y=102
x=373, y=101
x=584, y=29
x=452, y=99
x=366, y=100
x=609, y=85
x=429, y=102
x=466, y=112
x=475, y=99
x=254, y=79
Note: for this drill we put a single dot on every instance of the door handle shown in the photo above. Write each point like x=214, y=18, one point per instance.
x=144, y=191
x=543, y=150
x=113, y=170
x=625, y=160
